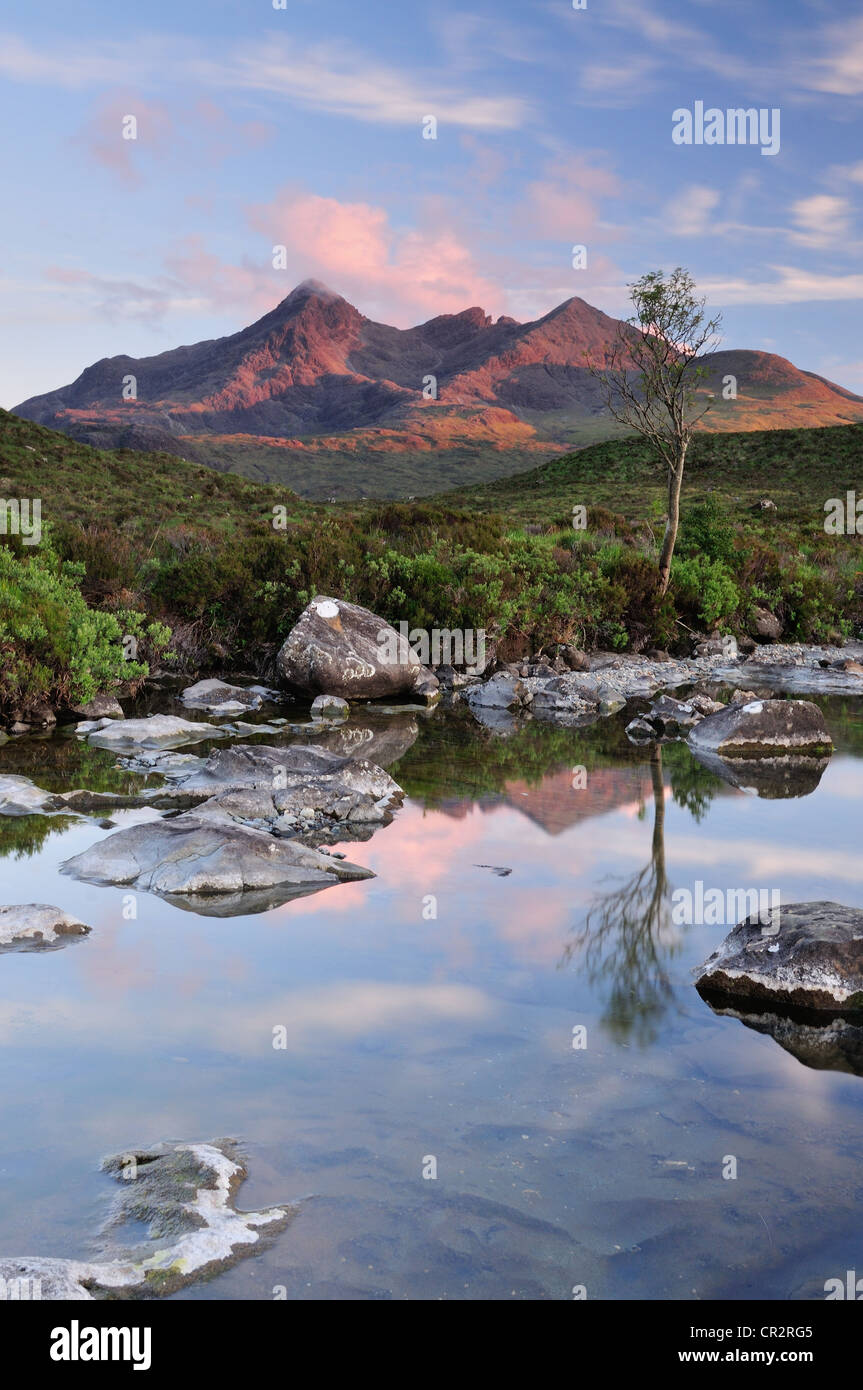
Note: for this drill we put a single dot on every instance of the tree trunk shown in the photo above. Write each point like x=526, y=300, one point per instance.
x=675, y=482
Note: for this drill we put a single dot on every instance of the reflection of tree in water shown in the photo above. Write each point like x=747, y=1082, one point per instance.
x=23, y=836
x=627, y=935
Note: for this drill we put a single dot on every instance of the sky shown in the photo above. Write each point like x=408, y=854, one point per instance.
x=308, y=127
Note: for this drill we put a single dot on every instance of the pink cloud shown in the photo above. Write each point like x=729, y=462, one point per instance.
x=105, y=136
x=564, y=202
x=397, y=274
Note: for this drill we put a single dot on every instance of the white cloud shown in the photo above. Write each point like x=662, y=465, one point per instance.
x=792, y=286
x=326, y=77
x=689, y=213
x=821, y=220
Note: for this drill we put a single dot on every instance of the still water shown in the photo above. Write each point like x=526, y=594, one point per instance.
x=414, y=1037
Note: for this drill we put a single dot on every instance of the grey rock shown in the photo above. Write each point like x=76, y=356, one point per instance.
x=339, y=648
x=764, y=728
x=764, y=625
x=501, y=692
x=809, y=956
x=190, y=858
x=34, y=926
x=217, y=697
x=20, y=797
x=100, y=707
x=156, y=731
x=330, y=706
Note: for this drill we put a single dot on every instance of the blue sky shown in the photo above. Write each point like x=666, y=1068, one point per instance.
x=303, y=127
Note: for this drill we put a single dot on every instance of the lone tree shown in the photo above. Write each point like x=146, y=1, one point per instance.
x=650, y=373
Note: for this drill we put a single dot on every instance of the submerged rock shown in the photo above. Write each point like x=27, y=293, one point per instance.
x=339, y=648
x=35, y=926
x=156, y=731
x=764, y=728
x=190, y=858
x=809, y=956
x=185, y=1197
x=217, y=697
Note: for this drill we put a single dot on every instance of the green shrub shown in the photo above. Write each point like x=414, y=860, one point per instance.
x=704, y=590
x=52, y=646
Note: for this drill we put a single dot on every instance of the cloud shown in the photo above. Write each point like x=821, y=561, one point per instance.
x=116, y=297
x=123, y=127
x=840, y=70
x=792, y=286
x=398, y=274
x=821, y=220
x=334, y=77
x=688, y=214
x=563, y=204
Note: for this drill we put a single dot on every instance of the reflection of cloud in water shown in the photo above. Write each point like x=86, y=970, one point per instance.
x=312, y=1018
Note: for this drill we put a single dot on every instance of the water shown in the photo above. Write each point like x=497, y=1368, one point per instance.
x=413, y=1037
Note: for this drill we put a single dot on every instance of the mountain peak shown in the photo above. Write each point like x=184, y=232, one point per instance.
x=312, y=286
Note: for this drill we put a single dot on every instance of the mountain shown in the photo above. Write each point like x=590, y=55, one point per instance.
x=319, y=397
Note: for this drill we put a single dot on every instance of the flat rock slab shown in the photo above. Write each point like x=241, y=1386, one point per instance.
x=157, y=731
x=194, y=858
x=37, y=926
x=297, y=777
x=184, y=1195
x=217, y=697
x=21, y=797
x=764, y=728
x=810, y=956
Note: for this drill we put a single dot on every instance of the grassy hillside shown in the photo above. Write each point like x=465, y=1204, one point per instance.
x=136, y=491
x=796, y=469
x=134, y=542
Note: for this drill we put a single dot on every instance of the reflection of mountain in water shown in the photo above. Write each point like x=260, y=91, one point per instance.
x=556, y=805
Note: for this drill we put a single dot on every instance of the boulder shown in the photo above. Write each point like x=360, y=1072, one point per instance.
x=576, y=659
x=36, y=925
x=764, y=728
x=100, y=707
x=217, y=697
x=501, y=692
x=338, y=648
x=809, y=956
x=764, y=626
